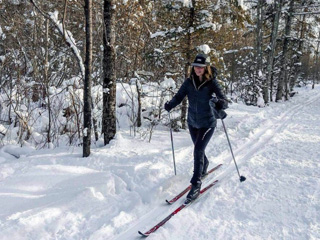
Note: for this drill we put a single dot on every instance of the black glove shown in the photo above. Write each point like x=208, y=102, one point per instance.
x=221, y=104
x=167, y=106
x=222, y=114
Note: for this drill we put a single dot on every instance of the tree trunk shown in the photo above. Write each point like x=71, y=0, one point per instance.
x=87, y=113
x=95, y=123
x=258, y=78
x=109, y=78
x=296, y=74
x=46, y=79
x=138, y=87
x=259, y=37
x=284, y=60
x=316, y=76
x=188, y=56
x=273, y=43
x=233, y=71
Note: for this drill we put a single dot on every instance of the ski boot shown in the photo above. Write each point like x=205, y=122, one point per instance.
x=194, y=193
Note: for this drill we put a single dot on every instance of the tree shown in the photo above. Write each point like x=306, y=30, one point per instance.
x=189, y=48
x=109, y=76
x=283, y=81
x=316, y=72
x=184, y=27
x=271, y=50
x=44, y=82
x=87, y=98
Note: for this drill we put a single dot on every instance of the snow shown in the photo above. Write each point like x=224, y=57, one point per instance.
x=168, y=83
x=158, y=50
x=120, y=188
x=231, y=51
x=260, y=102
x=157, y=34
x=208, y=25
x=186, y=3
x=15, y=2
x=164, y=33
x=204, y=48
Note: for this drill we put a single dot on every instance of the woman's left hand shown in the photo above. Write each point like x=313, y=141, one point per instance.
x=167, y=106
x=221, y=104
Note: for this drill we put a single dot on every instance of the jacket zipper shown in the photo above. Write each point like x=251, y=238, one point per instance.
x=195, y=86
x=197, y=89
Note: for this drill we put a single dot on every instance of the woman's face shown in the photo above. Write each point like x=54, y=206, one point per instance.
x=199, y=71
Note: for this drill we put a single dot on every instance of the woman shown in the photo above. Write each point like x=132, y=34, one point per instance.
x=199, y=88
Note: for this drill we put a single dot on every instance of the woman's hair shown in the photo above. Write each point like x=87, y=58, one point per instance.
x=207, y=73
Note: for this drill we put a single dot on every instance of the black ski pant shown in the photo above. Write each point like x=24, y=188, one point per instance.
x=200, y=138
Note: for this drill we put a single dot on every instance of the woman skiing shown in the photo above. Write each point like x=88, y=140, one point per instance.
x=200, y=87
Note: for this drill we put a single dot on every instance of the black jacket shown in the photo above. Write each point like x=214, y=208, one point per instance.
x=201, y=104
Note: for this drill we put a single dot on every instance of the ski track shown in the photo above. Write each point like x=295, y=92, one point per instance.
x=95, y=198
x=256, y=143
x=283, y=217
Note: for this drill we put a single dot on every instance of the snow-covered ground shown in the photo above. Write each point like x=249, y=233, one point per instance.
x=121, y=188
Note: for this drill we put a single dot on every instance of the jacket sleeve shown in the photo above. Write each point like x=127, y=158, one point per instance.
x=217, y=90
x=219, y=93
x=180, y=95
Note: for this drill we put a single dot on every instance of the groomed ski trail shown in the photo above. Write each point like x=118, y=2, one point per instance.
x=256, y=143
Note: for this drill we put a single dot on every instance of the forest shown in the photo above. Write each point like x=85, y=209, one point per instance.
x=75, y=72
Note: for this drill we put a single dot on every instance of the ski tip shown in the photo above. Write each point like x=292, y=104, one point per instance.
x=168, y=202
x=143, y=235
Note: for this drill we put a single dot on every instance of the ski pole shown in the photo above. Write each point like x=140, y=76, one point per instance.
x=174, y=160
x=242, y=178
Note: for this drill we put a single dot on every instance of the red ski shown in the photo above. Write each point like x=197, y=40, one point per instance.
x=156, y=227
x=173, y=200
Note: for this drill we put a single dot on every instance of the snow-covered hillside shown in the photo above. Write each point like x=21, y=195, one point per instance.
x=121, y=188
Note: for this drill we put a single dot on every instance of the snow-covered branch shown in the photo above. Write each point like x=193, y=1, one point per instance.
x=307, y=13
x=67, y=35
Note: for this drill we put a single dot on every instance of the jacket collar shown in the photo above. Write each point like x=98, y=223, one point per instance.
x=195, y=85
